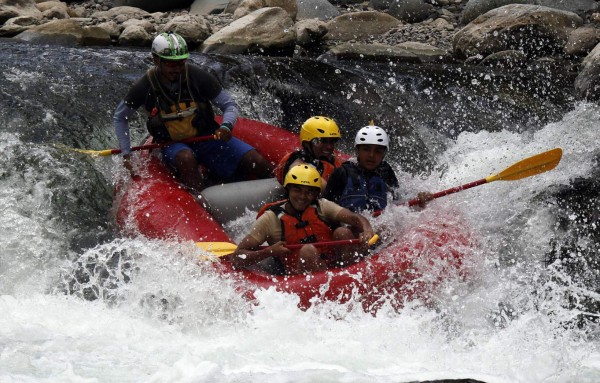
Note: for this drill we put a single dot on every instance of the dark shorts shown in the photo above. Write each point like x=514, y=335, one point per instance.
x=221, y=158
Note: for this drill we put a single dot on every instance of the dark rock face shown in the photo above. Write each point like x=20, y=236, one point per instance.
x=575, y=251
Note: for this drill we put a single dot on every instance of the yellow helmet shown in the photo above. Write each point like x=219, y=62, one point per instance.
x=303, y=175
x=319, y=127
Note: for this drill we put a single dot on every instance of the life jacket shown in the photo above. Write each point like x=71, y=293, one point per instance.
x=324, y=167
x=178, y=119
x=307, y=227
x=363, y=191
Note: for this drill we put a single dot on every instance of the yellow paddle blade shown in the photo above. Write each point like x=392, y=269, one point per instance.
x=103, y=153
x=528, y=167
x=217, y=249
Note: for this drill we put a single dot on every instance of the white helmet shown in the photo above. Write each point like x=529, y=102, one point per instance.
x=170, y=46
x=372, y=135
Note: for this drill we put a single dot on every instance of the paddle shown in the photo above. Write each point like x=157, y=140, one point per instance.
x=221, y=249
x=528, y=167
x=110, y=152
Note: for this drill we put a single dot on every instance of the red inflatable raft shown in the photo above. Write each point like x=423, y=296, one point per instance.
x=410, y=265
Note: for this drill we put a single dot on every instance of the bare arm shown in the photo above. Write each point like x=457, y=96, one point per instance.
x=248, y=252
x=357, y=221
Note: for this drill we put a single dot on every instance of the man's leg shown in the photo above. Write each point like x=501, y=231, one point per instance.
x=253, y=164
x=187, y=167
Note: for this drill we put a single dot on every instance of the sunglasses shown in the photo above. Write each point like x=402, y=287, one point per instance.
x=326, y=141
x=173, y=63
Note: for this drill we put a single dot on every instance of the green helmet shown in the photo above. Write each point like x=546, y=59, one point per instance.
x=170, y=46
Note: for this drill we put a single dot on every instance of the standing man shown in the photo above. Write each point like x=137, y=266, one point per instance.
x=179, y=97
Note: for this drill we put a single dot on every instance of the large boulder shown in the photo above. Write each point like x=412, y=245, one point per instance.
x=581, y=7
x=532, y=29
x=208, y=7
x=411, y=11
x=316, y=9
x=248, y=6
x=65, y=32
x=232, y=6
x=582, y=40
x=360, y=25
x=371, y=52
x=425, y=52
x=193, y=28
x=267, y=29
x=16, y=25
x=124, y=12
x=135, y=36
x=17, y=8
x=475, y=8
x=587, y=83
x=309, y=32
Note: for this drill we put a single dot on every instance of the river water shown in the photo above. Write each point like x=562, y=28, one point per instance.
x=149, y=313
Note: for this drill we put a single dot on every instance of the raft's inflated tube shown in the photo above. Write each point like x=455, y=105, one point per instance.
x=229, y=201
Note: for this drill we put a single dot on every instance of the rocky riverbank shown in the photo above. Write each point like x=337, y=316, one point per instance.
x=502, y=33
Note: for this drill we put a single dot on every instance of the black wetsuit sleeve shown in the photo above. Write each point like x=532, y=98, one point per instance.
x=336, y=185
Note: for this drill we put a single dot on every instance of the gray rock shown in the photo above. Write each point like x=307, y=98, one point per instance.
x=380, y=4
x=581, y=7
x=16, y=8
x=135, y=36
x=316, y=9
x=208, y=7
x=65, y=32
x=125, y=11
x=582, y=40
x=425, y=52
x=155, y=5
x=193, y=28
x=263, y=30
x=373, y=52
x=55, y=13
x=475, y=8
x=360, y=25
x=587, y=83
x=345, y=2
x=16, y=25
x=532, y=29
x=232, y=6
x=506, y=59
x=310, y=32
x=248, y=6
x=412, y=11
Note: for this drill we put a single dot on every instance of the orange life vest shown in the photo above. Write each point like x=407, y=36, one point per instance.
x=307, y=227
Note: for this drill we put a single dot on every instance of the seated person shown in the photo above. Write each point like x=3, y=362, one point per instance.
x=179, y=98
x=303, y=218
x=364, y=184
x=318, y=137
